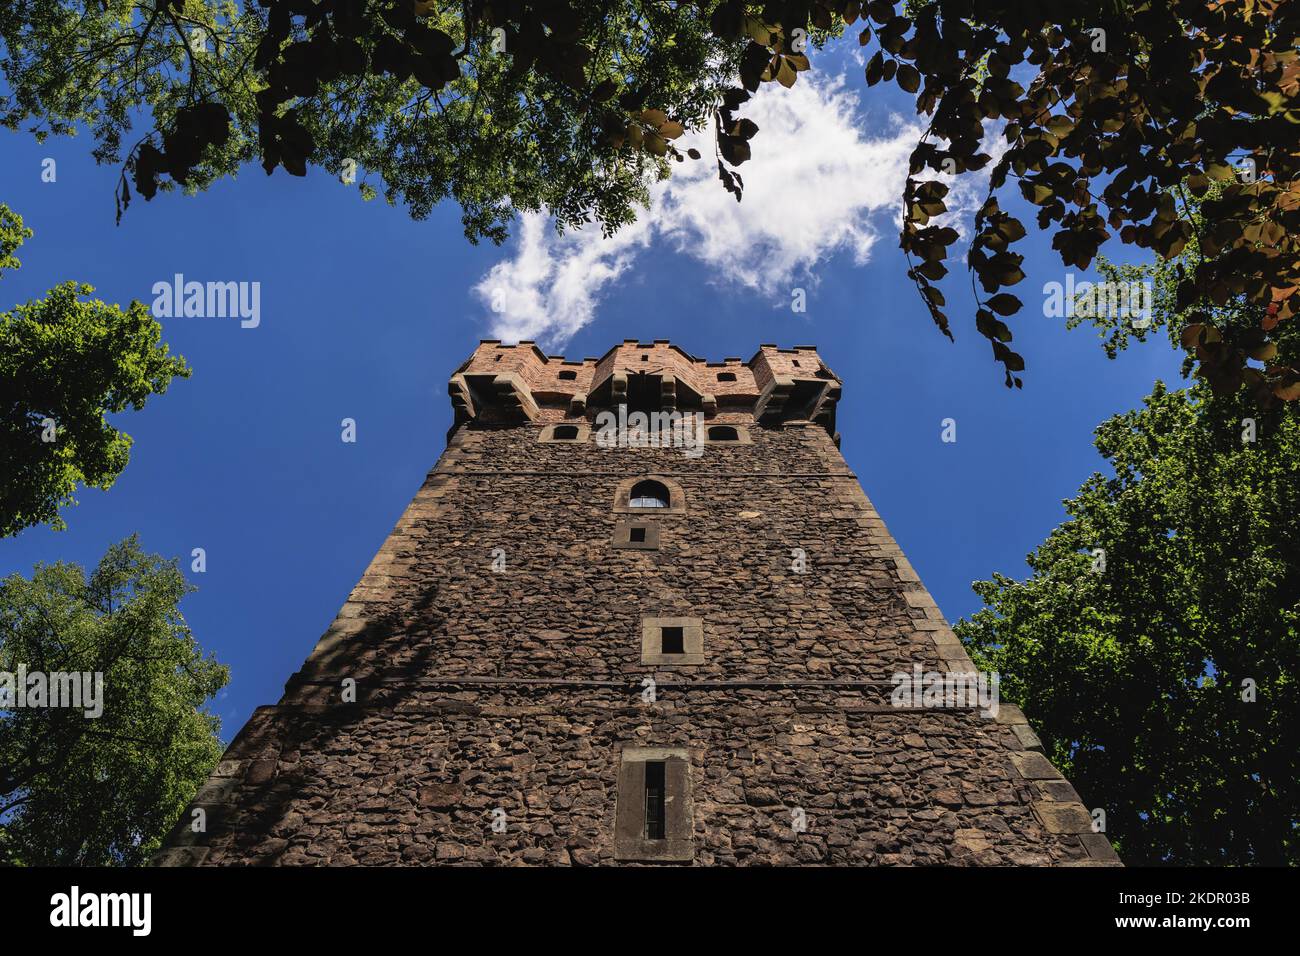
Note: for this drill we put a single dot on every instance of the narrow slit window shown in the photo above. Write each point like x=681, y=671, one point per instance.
x=672, y=641
x=655, y=816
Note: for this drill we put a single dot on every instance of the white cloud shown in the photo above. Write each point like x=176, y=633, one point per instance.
x=549, y=289
x=812, y=190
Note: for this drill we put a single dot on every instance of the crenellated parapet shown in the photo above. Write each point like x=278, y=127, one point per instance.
x=505, y=383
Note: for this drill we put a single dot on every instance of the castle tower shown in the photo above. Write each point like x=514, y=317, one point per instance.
x=679, y=647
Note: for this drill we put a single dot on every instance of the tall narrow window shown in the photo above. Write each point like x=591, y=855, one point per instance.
x=654, y=800
x=654, y=811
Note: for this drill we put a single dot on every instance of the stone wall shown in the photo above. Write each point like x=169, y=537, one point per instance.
x=485, y=694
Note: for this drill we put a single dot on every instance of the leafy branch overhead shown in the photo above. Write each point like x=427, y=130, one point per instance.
x=1115, y=114
x=1128, y=107
x=501, y=107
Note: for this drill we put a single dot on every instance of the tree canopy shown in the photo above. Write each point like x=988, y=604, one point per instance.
x=1111, y=113
x=501, y=107
x=1155, y=645
x=1161, y=670
x=1130, y=109
x=97, y=791
x=65, y=363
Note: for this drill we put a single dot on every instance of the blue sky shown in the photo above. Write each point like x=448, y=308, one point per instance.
x=365, y=314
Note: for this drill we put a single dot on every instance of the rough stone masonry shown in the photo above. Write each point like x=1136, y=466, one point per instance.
x=569, y=654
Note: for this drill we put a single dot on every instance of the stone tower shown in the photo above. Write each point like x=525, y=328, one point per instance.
x=592, y=639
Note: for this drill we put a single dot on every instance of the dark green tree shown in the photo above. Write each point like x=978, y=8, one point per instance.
x=1155, y=644
x=66, y=362
x=77, y=790
x=1170, y=593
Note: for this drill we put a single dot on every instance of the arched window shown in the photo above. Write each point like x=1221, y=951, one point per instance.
x=726, y=376
x=565, y=432
x=723, y=433
x=648, y=494
x=568, y=375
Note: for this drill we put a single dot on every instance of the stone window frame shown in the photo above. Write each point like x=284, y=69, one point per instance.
x=547, y=435
x=676, y=497
x=742, y=434
x=692, y=641
x=630, y=843
x=623, y=534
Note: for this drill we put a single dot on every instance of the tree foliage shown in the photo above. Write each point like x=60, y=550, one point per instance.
x=503, y=107
x=1202, y=332
x=1173, y=580
x=1112, y=113
x=103, y=791
x=1133, y=675
x=65, y=363
x=1128, y=107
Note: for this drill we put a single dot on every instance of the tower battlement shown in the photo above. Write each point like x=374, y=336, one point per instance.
x=503, y=383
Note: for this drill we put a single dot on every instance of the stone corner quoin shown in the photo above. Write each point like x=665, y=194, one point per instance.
x=523, y=676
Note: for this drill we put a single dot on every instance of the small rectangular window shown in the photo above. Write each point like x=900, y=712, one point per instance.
x=640, y=536
x=654, y=800
x=672, y=641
